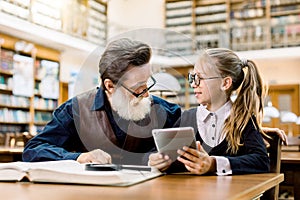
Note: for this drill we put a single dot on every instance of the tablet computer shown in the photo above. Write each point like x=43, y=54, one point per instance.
x=169, y=140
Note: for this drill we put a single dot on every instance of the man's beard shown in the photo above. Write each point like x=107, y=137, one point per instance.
x=135, y=109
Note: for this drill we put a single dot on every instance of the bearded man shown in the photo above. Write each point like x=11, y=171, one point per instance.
x=111, y=123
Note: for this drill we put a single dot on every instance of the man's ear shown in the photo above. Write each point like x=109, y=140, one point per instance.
x=109, y=85
x=227, y=83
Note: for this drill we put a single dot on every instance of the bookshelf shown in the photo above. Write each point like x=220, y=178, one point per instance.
x=211, y=22
x=84, y=19
x=185, y=97
x=285, y=23
x=179, y=18
x=235, y=24
x=23, y=106
x=250, y=25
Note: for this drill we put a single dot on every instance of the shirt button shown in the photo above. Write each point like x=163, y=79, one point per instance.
x=224, y=171
x=211, y=114
x=213, y=125
x=213, y=138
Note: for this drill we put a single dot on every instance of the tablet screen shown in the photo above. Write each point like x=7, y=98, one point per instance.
x=169, y=140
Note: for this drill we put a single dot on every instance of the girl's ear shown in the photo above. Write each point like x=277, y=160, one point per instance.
x=110, y=87
x=227, y=83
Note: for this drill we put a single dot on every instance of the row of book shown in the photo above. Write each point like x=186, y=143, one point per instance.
x=249, y=13
x=250, y=9
x=45, y=68
x=179, y=13
x=15, y=7
x=97, y=23
x=210, y=28
x=12, y=139
x=6, y=60
x=6, y=83
x=211, y=18
x=247, y=46
x=14, y=116
x=289, y=30
x=254, y=33
x=283, y=2
x=47, y=104
x=179, y=4
x=20, y=116
x=284, y=20
x=42, y=117
x=285, y=8
x=11, y=100
x=201, y=10
x=4, y=128
x=179, y=21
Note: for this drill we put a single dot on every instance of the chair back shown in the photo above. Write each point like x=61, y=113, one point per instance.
x=274, y=151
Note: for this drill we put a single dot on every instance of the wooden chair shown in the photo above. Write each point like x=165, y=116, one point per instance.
x=274, y=151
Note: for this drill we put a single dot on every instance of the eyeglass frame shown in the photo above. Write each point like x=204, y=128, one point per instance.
x=137, y=95
x=191, y=78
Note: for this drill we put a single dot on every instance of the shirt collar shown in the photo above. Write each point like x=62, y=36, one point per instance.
x=99, y=100
x=224, y=111
x=202, y=112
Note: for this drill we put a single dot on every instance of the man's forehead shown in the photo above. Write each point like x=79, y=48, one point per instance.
x=136, y=74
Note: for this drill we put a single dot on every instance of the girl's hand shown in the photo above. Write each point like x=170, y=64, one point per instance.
x=197, y=161
x=277, y=131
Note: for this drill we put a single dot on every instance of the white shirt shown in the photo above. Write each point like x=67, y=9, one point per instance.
x=209, y=126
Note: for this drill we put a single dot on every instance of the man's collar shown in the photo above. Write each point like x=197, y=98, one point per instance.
x=99, y=100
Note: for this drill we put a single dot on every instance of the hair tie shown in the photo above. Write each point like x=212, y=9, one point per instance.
x=244, y=62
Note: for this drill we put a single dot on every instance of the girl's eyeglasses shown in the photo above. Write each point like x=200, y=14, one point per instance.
x=197, y=79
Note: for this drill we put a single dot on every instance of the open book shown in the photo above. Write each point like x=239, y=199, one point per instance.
x=72, y=172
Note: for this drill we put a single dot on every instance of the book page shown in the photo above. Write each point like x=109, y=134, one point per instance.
x=71, y=172
x=15, y=171
x=11, y=172
x=79, y=175
x=11, y=175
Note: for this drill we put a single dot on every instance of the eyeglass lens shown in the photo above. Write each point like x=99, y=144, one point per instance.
x=194, y=78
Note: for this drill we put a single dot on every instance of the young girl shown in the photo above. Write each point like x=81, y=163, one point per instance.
x=228, y=133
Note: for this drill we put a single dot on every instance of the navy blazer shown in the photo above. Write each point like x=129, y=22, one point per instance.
x=252, y=157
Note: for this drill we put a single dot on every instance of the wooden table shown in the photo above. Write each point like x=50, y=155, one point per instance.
x=290, y=166
x=293, y=144
x=169, y=187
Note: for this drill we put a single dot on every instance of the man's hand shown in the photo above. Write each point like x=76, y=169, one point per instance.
x=159, y=161
x=96, y=156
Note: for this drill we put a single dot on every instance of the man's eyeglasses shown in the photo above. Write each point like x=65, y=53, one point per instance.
x=197, y=79
x=151, y=82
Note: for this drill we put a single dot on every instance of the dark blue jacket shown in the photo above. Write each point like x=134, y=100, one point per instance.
x=87, y=121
